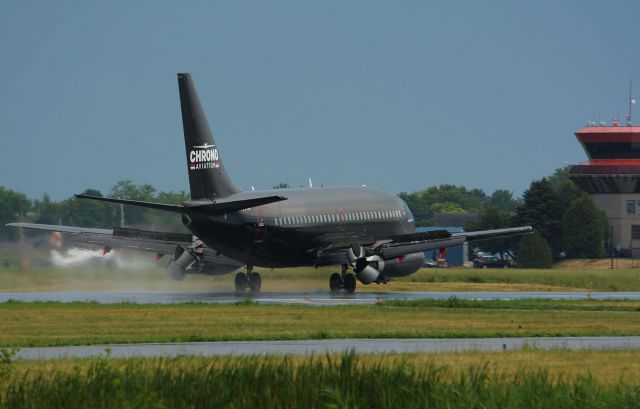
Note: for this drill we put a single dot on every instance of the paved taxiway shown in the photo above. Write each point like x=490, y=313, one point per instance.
x=310, y=298
x=319, y=347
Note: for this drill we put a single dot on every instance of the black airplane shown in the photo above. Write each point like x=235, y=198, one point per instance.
x=367, y=230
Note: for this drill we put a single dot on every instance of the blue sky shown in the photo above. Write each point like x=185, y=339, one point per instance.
x=398, y=95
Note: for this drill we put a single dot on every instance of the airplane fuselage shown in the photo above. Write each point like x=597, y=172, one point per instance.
x=295, y=232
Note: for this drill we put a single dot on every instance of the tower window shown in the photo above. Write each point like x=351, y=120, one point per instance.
x=631, y=206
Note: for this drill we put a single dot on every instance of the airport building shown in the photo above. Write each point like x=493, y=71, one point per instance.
x=611, y=176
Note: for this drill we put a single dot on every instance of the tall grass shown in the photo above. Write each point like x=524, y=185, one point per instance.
x=330, y=382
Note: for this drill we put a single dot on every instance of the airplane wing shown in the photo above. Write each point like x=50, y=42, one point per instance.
x=396, y=246
x=154, y=242
x=419, y=242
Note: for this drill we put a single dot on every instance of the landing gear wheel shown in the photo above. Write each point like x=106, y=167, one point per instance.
x=241, y=282
x=349, y=283
x=255, y=282
x=335, y=282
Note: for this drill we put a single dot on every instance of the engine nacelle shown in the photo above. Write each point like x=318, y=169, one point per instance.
x=182, y=260
x=368, y=269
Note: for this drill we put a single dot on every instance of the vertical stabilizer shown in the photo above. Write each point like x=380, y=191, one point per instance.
x=207, y=176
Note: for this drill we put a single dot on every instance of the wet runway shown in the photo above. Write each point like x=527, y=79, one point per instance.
x=302, y=298
x=319, y=347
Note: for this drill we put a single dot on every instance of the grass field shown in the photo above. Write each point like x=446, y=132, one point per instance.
x=43, y=278
x=529, y=379
x=39, y=324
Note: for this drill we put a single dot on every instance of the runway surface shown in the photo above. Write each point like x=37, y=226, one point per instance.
x=319, y=347
x=310, y=298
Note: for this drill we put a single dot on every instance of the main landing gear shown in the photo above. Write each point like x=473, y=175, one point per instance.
x=249, y=280
x=343, y=281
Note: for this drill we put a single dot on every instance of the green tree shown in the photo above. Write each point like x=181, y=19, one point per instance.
x=534, y=252
x=584, y=229
x=542, y=209
x=46, y=211
x=503, y=199
x=281, y=185
x=424, y=204
x=89, y=213
x=13, y=207
x=446, y=207
x=126, y=189
x=559, y=178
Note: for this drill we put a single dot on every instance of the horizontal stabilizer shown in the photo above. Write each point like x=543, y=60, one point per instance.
x=150, y=205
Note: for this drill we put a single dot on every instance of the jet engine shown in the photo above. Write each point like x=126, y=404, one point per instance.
x=182, y=260
x=367, y=269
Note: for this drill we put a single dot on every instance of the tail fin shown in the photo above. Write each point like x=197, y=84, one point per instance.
x=207, y=176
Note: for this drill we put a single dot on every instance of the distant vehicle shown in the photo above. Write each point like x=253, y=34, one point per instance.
x=429, y=263
x=490, y=262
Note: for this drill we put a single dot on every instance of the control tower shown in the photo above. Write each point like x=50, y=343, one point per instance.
x=611, y=176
